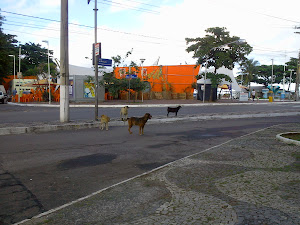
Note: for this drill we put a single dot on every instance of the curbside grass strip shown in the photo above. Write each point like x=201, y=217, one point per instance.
x=287, y=140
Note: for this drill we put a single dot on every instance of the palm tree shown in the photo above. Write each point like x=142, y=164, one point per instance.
x=248, y=71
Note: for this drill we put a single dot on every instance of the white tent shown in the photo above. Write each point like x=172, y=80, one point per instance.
x=226, y=71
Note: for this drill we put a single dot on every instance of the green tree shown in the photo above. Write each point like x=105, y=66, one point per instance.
x=249, y=70
x=35, y=60
x=7, y=47
x=212, y=49
x=218, y=49
x=264, y=74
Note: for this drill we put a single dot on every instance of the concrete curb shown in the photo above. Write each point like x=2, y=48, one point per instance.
x=287, y=140
x=94, y=124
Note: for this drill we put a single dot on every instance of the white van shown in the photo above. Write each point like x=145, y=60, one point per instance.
x=3, y=95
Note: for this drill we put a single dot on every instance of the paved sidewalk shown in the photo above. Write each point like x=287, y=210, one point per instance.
x=253, y=179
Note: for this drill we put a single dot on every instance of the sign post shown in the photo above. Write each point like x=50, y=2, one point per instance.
x=105, y=62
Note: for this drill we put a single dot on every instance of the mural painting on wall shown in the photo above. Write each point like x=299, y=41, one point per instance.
x=89, y=89
x=122, y=72
x=144, y=74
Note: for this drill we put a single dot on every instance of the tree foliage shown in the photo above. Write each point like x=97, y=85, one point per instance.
x=264, y=73
x=218, y=49
x=248, y=71
x=212, y=49
x=34, y=58
x=7, y=47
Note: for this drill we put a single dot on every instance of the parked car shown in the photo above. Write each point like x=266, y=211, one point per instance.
x=3, y=97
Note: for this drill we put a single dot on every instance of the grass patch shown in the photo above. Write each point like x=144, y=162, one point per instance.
x=293, y=136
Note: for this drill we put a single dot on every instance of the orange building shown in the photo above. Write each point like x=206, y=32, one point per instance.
x=174, y=79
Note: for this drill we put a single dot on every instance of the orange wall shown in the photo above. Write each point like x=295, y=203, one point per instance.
x=180, y=77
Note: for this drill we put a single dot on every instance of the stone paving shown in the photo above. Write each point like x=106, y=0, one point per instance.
x=254, y=179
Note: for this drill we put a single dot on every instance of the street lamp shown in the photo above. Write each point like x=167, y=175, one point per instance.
x=224, y=45
x=49, y=79
x=142, y=61
x=14, y=65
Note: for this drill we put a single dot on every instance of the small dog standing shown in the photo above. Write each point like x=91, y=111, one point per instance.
x=104, y=122
x=139, y=122
x=124, y=113
x=174, y=110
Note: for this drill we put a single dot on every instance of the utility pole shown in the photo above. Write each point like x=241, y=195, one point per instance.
x=96, y=66
x=19, y=92
x=298, y=74
x=64, y=63
x=272, y=80
x=96, y=60
x=297, y=79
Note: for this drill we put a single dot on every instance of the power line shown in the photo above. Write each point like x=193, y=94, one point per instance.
x=143, y=3
x=117, y=4
x=91, y=27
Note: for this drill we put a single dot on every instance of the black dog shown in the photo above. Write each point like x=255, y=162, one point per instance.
x=174, y=110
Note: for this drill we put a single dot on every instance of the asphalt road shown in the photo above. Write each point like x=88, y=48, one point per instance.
x=22, y=114
x=43, y=171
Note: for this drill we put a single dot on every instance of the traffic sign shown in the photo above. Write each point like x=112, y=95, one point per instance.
x=105, y=62
x=131, y=76
x=97, y=48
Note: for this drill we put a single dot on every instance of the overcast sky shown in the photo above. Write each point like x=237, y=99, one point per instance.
x=156, y=28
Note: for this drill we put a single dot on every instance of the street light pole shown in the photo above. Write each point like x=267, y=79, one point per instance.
x=142, y=61
x=14, y=65
x=49, y=79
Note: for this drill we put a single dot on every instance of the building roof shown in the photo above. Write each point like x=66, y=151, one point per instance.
x=84, y=71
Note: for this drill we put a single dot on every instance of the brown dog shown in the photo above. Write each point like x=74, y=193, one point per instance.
x=104, y=122
x=139, y=122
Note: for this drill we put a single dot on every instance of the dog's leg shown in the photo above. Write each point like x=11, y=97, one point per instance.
x=101, y=126
x=142, y=130
x=129, y=126
x=168, y=114
x=176, y=114
x=106, y=126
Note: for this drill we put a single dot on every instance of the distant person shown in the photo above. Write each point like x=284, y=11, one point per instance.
x=253, y=94
x=14, y=92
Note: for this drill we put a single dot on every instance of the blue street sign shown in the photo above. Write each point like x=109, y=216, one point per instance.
x=105, y=62
x=131, y=76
